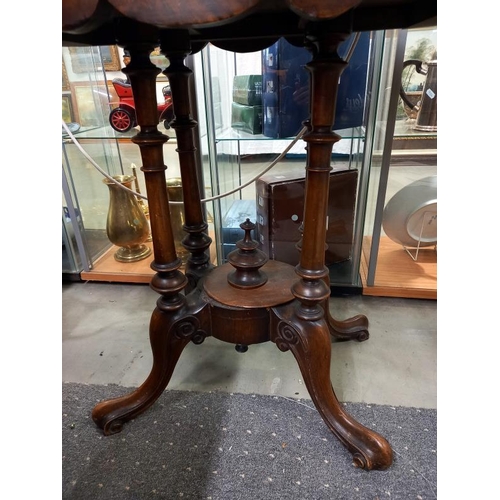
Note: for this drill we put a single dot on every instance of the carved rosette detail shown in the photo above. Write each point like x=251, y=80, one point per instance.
x=113, y=427
x=362, y=336
x=288, y=336
x=359, y=461
x=189, y=329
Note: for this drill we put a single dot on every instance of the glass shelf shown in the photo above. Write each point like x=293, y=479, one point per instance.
x=404, y=129
x=234, y=156
x=107, y=132
x=402, y=163
x=231, y=134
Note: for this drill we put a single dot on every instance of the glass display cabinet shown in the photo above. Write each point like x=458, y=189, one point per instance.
x=237, y=302
x=399, y=247
x=85, y=108
x=253, y=157
x=91, y=149
x=250, y=129
x=237, y=160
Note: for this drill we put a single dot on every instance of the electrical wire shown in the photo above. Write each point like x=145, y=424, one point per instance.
x=91, y=160
x=204, y=200
x=352, y=47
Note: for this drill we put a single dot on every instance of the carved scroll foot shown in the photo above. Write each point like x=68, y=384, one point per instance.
x=309, y=342
x=355, y=328
x=169, y=336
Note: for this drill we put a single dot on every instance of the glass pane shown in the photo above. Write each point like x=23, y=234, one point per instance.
x=402, y=196
x=238, y=150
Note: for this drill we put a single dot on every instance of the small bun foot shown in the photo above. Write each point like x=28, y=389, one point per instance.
x=355, y=328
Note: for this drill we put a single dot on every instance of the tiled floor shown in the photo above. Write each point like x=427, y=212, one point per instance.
x=105, y=341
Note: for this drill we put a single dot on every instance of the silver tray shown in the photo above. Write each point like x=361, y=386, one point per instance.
x=410, y=216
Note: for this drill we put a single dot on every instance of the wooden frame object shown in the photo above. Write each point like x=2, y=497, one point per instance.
x=84, y=96
x=83, y=103
x=65, y=79
x=110, y=58
x=67, y=108
x=82, y=62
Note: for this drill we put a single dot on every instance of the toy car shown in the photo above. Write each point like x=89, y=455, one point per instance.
x=123, y=117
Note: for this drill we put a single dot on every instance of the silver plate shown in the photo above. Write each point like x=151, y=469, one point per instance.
x=410, y=216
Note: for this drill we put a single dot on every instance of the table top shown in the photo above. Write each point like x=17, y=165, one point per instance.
x=254, y=22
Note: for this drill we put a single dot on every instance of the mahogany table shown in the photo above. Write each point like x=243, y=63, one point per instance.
x=250, y=299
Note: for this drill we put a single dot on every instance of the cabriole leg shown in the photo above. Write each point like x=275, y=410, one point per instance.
x=310, y=344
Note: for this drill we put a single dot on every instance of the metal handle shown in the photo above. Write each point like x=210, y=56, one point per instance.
x=420, y=70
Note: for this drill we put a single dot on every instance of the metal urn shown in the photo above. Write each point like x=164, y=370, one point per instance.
x=126, y=226
x=426, y=107
x=177, y=217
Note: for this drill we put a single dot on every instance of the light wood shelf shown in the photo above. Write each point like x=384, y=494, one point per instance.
x=397, y=274
x=106, y=268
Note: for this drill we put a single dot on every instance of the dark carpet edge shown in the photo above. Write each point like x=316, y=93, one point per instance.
x=410, y=430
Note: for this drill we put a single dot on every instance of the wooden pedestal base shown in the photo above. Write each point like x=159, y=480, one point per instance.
x=264, y=314
x=251, y=300
x=190, y=306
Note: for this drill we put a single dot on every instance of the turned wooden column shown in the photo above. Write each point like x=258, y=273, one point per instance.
x=168, y=281
x=178, y=319
x=175, y=45
x=325, y=70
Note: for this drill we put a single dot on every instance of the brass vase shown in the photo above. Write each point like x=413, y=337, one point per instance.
x=177, y=217
x=126, y=225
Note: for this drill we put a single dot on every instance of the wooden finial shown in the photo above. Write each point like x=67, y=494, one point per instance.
x=247, y=260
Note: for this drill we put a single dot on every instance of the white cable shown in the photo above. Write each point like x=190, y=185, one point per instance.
x=261, y=173
x=89, y=158
x=352, y=47
x=205, y=200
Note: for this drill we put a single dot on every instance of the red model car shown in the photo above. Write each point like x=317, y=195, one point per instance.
x=123, y=117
